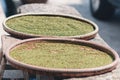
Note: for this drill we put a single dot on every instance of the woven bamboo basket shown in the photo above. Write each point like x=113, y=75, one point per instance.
x=23, y=35
x=65, y=72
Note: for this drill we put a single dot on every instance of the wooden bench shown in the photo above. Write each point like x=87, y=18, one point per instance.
x=8, y=40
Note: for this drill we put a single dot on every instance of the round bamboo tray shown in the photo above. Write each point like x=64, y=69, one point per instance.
x=18, y=34
x=61, y=71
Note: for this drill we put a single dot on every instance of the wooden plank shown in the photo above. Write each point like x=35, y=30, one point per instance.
x=26, y=75
x=2, y=67
x=1, y=55
x=39, y=77
x=48, y=8
x=7, y=40
x=6, y=69
x=99, y=40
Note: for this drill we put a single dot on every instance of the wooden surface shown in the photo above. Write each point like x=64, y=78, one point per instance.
x=8, y=40
x=114, y=75
x=47, y=8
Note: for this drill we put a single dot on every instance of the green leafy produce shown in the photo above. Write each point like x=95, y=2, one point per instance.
x=49, y=25
x=60, y=55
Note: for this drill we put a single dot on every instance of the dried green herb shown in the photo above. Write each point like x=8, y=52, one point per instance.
x=60, y=55
x=49, y=25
